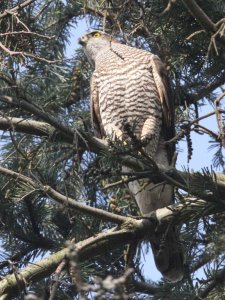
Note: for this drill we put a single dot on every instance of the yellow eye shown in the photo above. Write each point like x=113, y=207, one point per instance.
x=97, y=34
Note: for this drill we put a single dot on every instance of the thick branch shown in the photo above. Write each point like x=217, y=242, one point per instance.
x=66, y=201
x=200, y=15
x=88, y=142
x=132, y=230
x=145, y=288
x=33, y=127
x=68, y=132
x=86, y=249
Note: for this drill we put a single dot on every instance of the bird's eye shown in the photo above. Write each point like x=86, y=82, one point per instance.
x=97, y=34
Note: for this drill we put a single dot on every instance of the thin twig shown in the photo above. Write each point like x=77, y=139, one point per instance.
x=168, y=7
x=23, y=32
x=26, y=54
x=56, y=278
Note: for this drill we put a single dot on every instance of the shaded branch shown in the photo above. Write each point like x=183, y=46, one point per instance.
x=218, y=279
x=143, y=287
x=200, y=15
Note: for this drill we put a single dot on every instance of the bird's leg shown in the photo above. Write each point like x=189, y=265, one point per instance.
x=113, y=132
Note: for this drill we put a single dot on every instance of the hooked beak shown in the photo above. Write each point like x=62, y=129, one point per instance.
x=83, y=40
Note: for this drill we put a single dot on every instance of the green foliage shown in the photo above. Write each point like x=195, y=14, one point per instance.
x=34, y=69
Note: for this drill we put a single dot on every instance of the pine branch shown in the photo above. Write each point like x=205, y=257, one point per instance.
x=66, y=201
x=218, y=279
x=182, y=212
x=86, y=249
x=142, y=170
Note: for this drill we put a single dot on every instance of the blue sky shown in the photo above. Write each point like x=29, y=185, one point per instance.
x=201, y=157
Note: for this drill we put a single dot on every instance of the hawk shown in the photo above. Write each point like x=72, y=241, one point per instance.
x=130, y=85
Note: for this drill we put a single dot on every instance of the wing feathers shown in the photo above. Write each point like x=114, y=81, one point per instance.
x=95, y=110
x=163, y=86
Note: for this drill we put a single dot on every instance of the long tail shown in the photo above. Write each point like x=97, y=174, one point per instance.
x=166, y=246
x=168, y=254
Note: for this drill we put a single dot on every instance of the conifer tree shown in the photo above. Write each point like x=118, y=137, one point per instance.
x=69, y=229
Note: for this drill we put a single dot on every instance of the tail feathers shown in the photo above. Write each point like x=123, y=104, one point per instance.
x=168, y=255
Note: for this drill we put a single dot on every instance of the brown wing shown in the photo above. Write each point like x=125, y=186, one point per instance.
x=95, y=110
x=164, y=90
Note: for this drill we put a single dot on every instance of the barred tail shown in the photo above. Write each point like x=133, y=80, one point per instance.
x=166, y=246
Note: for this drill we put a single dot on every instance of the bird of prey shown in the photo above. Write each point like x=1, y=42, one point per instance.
x=130, y=85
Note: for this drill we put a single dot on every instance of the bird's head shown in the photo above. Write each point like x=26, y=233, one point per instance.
x=94, y=42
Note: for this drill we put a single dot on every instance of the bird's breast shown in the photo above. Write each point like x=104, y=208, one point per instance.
x=127, y=93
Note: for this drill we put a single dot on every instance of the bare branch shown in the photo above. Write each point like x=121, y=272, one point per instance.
x=23, y=32
x=16, y=8
x=33, y=127
x=56, y=278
